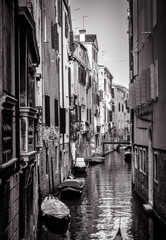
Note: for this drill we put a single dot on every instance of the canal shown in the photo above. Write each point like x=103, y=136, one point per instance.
x=106, y=202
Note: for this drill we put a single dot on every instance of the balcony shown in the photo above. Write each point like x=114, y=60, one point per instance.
x=27, y=133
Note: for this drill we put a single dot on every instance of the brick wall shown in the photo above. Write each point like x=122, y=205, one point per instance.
x=9, y=208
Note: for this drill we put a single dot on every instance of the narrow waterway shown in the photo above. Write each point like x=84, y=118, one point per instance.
x=106, y=202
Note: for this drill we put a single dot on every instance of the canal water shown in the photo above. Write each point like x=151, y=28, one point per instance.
x=106, y=203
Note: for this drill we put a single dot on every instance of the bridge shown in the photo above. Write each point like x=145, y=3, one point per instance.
x=114, y=142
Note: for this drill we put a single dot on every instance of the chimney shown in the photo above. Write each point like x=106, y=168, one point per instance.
x=82, y=35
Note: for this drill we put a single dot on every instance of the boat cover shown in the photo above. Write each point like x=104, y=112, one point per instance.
x=52, y=206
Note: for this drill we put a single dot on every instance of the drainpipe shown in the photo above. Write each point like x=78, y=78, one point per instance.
x=62, y=70
x=150, y=167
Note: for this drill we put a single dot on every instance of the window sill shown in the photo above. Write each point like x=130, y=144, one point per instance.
x=9, y=163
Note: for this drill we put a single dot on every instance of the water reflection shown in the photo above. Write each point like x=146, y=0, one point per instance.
x=106, y=202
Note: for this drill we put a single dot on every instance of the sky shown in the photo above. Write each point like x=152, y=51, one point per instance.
x=108, y=20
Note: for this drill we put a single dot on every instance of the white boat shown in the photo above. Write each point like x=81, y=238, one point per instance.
x=55, y=209
x=80, y=165
x=96, y=158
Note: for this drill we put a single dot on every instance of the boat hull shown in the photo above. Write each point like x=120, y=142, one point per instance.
x=127, y=157
x=80, y=169
x=96, y=160
x=56, y=225
x=118, y=235
x=70, y=192
x=71, y=187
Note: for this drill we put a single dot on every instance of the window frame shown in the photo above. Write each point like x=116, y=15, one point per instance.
x=155, y=163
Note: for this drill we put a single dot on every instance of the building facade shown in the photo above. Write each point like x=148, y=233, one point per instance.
x=147, y=37
x=19, y=171
x=81, y=102
x=121, y=115
x=106, y=103
x=9, y=131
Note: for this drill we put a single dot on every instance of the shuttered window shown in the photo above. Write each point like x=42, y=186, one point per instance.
x=54, y=37
x=90, y=119
x=47, y=110
x=66, y=26
x=56, y=112
x=62, y=120
x=80, y=113
x=69, y=82
x=60, y=12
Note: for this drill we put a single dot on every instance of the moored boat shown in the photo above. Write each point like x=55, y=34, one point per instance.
x=80, y=165
x=127, y=156
x=96, y=158
x=54, y=210
x=71, y=187
x=118, y=235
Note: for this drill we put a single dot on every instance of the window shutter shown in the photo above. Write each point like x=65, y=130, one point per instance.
x=152, y=82
x=80, y=113
x=47, y=110
x=54, y=37
x=156, y=77
x=66, y=26
x=138, y=91
x=59, y=12
x=56, y=112
x=148, y=85
x=62, y=120
x=69, y=83
x=143, y=86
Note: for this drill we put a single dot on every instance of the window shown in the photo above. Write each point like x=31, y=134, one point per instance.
x=140, y=159
x=136, y=158
x=47, y=165
x=56, y=112
x=119, y=107
x=154, y=80
x=143, y=160
x=56, y=160
x=47, y=110
x=113, y=107
x=82, y=75
x=7, y=128
x=90, y=116
x=54, y=37
x=155, y=167
x=59, y=12
x=80, y=113
x=113, y=92
x=45, y=26
x=66, y=26
x=62, y=120
x=122, y=108
x=149, y=16
x=154, y=12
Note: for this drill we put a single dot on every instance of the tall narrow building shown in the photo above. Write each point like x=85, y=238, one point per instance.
x=147, y=37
